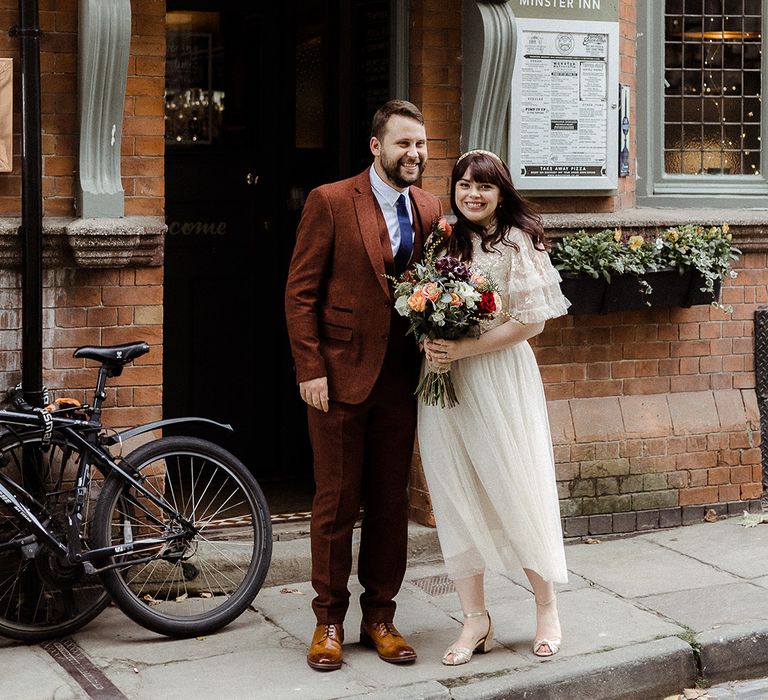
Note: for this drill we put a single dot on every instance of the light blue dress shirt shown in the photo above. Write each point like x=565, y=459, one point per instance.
x=387, y=196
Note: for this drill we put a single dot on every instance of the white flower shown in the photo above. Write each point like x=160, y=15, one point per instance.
x=659, y=244
x=401, y=305
x=468, y=293
x=438, y=318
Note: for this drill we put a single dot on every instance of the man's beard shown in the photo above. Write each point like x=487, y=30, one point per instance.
x=392, y=170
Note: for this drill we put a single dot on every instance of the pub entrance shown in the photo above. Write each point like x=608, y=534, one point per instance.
x=262, y=105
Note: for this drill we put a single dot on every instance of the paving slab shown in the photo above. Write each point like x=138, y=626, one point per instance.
x=639, y=567
x=711, y=607
x=113, y=637
x=726, y=544
x=29, y=673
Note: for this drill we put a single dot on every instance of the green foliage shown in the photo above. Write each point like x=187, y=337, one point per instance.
x=708, y=250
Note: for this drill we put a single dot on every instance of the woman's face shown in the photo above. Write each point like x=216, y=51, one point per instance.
x=477, y=201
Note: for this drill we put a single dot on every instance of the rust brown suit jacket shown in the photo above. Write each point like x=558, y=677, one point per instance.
x=338, y=302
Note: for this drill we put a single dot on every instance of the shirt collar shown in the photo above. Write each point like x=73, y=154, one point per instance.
x=386, y=192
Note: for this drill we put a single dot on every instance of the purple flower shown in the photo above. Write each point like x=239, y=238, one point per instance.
x=448, y=265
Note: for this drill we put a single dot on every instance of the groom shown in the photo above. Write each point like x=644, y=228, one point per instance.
x=357, y=372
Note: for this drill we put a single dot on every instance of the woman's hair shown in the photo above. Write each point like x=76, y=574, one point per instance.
x=513, y=211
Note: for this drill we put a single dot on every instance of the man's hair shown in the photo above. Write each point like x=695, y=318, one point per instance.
x=389, y=109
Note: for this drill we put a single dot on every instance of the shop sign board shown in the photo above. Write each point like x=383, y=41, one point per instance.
x=564, y=119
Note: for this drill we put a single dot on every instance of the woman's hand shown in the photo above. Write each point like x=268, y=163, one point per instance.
x=443, y=352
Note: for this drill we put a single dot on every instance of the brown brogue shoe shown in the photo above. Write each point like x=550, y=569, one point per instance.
x=387, y=641
x=324, y=652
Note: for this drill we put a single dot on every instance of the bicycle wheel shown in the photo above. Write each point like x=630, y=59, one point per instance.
x=42, y=595
x=207, y=575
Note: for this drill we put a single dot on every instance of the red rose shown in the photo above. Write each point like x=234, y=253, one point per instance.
x=487, y=303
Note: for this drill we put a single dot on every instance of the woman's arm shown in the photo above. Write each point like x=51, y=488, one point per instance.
x=509, y=333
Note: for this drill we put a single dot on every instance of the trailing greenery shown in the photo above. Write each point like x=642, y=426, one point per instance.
x=709, y=251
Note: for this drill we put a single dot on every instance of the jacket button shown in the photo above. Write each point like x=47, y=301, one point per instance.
x=385, y=337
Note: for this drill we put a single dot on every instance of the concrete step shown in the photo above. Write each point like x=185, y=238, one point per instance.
x=292, y=562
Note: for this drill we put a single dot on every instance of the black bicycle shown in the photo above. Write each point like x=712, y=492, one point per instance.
x=177, y=532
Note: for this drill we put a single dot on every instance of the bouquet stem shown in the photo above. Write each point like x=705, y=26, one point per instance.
x=436, y=387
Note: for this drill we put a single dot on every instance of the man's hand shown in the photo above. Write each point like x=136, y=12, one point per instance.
x=315, y=393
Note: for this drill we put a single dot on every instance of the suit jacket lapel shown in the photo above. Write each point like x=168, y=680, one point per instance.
x=370, y=221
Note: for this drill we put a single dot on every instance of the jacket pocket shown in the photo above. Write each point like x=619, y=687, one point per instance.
x=331, y=330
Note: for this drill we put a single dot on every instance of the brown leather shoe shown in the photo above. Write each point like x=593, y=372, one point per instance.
x=324, y=652
x=387, y=641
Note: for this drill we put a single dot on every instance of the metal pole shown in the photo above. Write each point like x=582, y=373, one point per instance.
x=31, y=203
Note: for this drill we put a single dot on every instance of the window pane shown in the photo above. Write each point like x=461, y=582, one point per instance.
x=716, y=95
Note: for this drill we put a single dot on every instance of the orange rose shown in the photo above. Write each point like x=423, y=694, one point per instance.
x=431, y=291
x=455, y=299
x=417, y=301
x=445, y=227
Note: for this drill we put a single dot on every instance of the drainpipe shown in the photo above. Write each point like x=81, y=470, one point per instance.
x=31, y=231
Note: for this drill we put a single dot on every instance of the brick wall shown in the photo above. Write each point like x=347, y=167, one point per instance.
x=143, y=127
x=654, y=415
x=435, y=85
x=90, y=306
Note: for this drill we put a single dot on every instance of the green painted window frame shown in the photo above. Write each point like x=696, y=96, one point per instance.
x=655, y=188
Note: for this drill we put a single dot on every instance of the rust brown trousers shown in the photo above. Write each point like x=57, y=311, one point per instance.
x=342, y=325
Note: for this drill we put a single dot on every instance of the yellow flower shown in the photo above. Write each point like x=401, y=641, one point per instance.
x=672, y=235
x=726, y=228
x=635, y=242
x=617, y=235
x=728, y=236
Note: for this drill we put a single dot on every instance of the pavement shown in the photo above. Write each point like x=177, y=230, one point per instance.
x=643, y=617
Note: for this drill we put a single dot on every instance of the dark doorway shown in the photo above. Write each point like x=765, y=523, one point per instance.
x=262, y=105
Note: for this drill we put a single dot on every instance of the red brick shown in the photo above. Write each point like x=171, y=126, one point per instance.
x=648, y=385
x=694, y=496
x=751, y=456
x=690, y=348
x=608, y=387
x=689, y=383
x=728, y=493
x=741, y=475
x=623, y=369
x=696, y=460
x=718, y=475
x=646, y=350
x=751, y=491
x=689, y=365
x=689, y=331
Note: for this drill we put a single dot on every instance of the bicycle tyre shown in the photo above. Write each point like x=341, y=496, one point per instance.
x=42, y=596
x=225, y=566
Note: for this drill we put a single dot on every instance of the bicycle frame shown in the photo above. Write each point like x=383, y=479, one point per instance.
x=71, y=429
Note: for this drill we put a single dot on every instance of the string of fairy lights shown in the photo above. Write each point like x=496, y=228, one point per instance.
x=727, y=148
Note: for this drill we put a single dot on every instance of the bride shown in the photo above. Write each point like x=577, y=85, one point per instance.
x=488, y=461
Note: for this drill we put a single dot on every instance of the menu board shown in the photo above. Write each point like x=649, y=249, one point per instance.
x=564, y=105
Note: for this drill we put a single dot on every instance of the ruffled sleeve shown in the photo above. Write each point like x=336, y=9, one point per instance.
x=534, y=284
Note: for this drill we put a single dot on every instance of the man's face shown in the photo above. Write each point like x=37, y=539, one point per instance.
x=401, y=154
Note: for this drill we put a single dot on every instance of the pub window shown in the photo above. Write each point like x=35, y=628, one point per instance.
x=712, y=87
x=700, y=71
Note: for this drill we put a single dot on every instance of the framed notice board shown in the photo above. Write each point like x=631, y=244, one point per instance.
x=564, y=106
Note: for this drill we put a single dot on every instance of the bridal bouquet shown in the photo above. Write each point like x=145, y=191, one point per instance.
x=443, y=298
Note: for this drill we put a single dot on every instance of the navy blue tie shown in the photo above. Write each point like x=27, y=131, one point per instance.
x=406, y=236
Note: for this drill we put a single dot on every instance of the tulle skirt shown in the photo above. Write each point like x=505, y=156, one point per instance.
x=490, y=469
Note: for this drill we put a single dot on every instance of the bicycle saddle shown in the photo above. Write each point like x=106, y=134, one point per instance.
x=113, y=354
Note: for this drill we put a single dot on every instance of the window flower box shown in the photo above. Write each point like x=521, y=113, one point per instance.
x=613, y=271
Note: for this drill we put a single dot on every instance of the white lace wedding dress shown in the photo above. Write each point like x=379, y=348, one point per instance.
x=488, y=461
